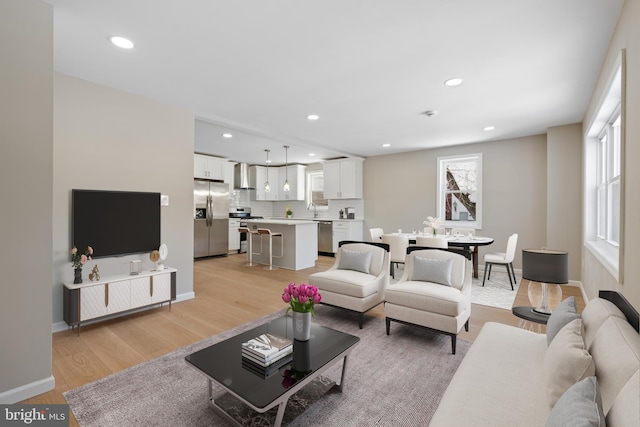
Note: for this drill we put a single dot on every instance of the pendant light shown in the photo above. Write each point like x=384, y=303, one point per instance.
x=286, y=187
x=267, y=186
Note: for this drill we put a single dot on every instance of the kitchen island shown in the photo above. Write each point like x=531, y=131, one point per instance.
x=300, y=241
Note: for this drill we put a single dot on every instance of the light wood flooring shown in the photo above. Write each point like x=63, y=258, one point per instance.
x=228, y=294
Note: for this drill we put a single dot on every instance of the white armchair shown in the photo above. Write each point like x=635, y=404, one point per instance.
x=434, y=292
x=357, y=279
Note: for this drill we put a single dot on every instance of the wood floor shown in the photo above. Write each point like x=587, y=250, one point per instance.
x=228, y=294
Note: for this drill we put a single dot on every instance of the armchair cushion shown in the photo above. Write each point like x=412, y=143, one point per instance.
x=346, y=282
x=355, y=260
x=427, y=297
x=432, y=270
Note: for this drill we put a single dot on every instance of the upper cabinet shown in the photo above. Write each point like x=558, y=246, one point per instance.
x=295, y=174
x=343, y=179
x=209, y=167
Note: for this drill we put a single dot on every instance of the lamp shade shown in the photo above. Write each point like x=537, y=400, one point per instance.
x=545, y=265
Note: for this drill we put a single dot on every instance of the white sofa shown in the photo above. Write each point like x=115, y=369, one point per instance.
x=501, y=381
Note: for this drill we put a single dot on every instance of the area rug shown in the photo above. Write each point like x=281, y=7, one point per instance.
x=391, y=380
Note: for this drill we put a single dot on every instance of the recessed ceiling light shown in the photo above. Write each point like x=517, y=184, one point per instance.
x=453, y=82
x=121, y=42
x=313, y=117
x=227, y=135
x=312, y=154
x=386, y=145
x=488, y=128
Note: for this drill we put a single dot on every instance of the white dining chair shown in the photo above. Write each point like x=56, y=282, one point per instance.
x=376, y=234
x=502, y=258
x=398, y=244
x=431, y=242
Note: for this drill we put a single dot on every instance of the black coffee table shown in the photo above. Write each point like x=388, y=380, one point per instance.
x=223, y=363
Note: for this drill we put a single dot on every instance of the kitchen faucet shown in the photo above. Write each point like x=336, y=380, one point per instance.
x=315, y=210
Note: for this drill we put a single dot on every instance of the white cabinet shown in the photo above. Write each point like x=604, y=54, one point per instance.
x=261, y=173
x=117, y=294
x=234, y=235
x=346, y=230
x=343, y=179
x=295, y=174
x=228, y=171
x=208, y=167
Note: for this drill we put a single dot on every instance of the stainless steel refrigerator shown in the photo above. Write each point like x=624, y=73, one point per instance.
x=211, y=218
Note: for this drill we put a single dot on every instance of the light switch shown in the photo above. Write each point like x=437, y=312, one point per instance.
x=164, y=200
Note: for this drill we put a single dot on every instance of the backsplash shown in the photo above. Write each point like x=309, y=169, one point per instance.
x=276, y=209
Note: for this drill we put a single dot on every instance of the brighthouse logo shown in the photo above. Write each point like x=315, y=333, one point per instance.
x=39, y=415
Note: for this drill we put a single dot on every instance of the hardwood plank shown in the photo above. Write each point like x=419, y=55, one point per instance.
x=228, y=294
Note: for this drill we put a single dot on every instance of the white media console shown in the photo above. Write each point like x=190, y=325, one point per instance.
x=90, y=301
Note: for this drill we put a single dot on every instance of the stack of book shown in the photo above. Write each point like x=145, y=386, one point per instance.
x=265, y=350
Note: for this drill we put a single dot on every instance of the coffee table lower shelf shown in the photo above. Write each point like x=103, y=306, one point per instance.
x=224, y=403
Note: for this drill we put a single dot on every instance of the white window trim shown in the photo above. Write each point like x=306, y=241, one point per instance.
x=442, y=161
x=308, y=191
x=611, y=256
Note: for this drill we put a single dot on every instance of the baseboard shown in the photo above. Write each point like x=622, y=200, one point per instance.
x=62, y=326
x=27, y=391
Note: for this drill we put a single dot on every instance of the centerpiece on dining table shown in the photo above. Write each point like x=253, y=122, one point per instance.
x=301, y=300
x=433, y=223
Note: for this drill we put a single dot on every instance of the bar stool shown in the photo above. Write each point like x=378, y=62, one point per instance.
x=250, y=234
x=271, y=234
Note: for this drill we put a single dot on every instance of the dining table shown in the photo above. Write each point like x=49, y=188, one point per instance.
x=468, y=243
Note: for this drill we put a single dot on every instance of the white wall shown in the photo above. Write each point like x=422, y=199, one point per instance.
x=594, y=275
x=106, y=139
x=400, y=190
x=26, y=172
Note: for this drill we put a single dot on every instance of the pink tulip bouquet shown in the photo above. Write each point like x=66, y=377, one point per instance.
x=301, y=298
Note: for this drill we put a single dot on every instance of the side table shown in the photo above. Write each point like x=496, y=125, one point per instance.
x=527, y=314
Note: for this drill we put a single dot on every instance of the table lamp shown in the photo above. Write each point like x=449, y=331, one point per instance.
x=545, y=266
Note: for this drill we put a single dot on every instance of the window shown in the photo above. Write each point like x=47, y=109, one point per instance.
x=608, y=181
x=460, y=190
x=315, y=190
x=604, y=177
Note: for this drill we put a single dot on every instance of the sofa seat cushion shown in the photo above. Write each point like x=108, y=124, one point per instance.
x=427, y=296
x=498, y=383
x=346, y=282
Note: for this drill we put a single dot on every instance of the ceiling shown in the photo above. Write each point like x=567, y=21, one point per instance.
x=368, y=68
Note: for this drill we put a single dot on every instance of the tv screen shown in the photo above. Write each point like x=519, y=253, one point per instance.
x=115, y=222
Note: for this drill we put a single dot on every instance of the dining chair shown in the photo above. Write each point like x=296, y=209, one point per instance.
x=431, y=242
x=376, y=234
x=398, y=245
x=502, y=258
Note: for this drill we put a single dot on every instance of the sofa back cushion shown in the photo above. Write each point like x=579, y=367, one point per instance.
x=615, y=347
x=376, y=264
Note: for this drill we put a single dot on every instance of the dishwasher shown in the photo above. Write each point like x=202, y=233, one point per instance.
x=325, y=237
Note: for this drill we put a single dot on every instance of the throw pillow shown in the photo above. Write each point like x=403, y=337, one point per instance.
x=432, y=270
x=567, y=361
x=354, y=260
x=579, y=406
x=564, y=313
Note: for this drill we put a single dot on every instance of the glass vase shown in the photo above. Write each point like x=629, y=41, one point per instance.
x=301, y=326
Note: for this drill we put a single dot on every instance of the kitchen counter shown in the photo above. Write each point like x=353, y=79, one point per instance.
x=300, y=240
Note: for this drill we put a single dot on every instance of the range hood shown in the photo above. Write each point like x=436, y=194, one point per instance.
x=242, y=177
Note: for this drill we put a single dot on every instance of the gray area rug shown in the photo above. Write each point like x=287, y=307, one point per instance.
x=395, y=380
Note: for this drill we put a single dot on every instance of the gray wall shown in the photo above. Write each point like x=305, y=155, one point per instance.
x=564, y=193
x=106, y=139
x=595, y=275
x=26, y=172
x=400, y=190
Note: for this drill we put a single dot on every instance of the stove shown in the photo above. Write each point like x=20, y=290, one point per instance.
x=242, y=213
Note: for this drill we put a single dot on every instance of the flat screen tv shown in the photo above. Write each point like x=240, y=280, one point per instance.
x=115, y=223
